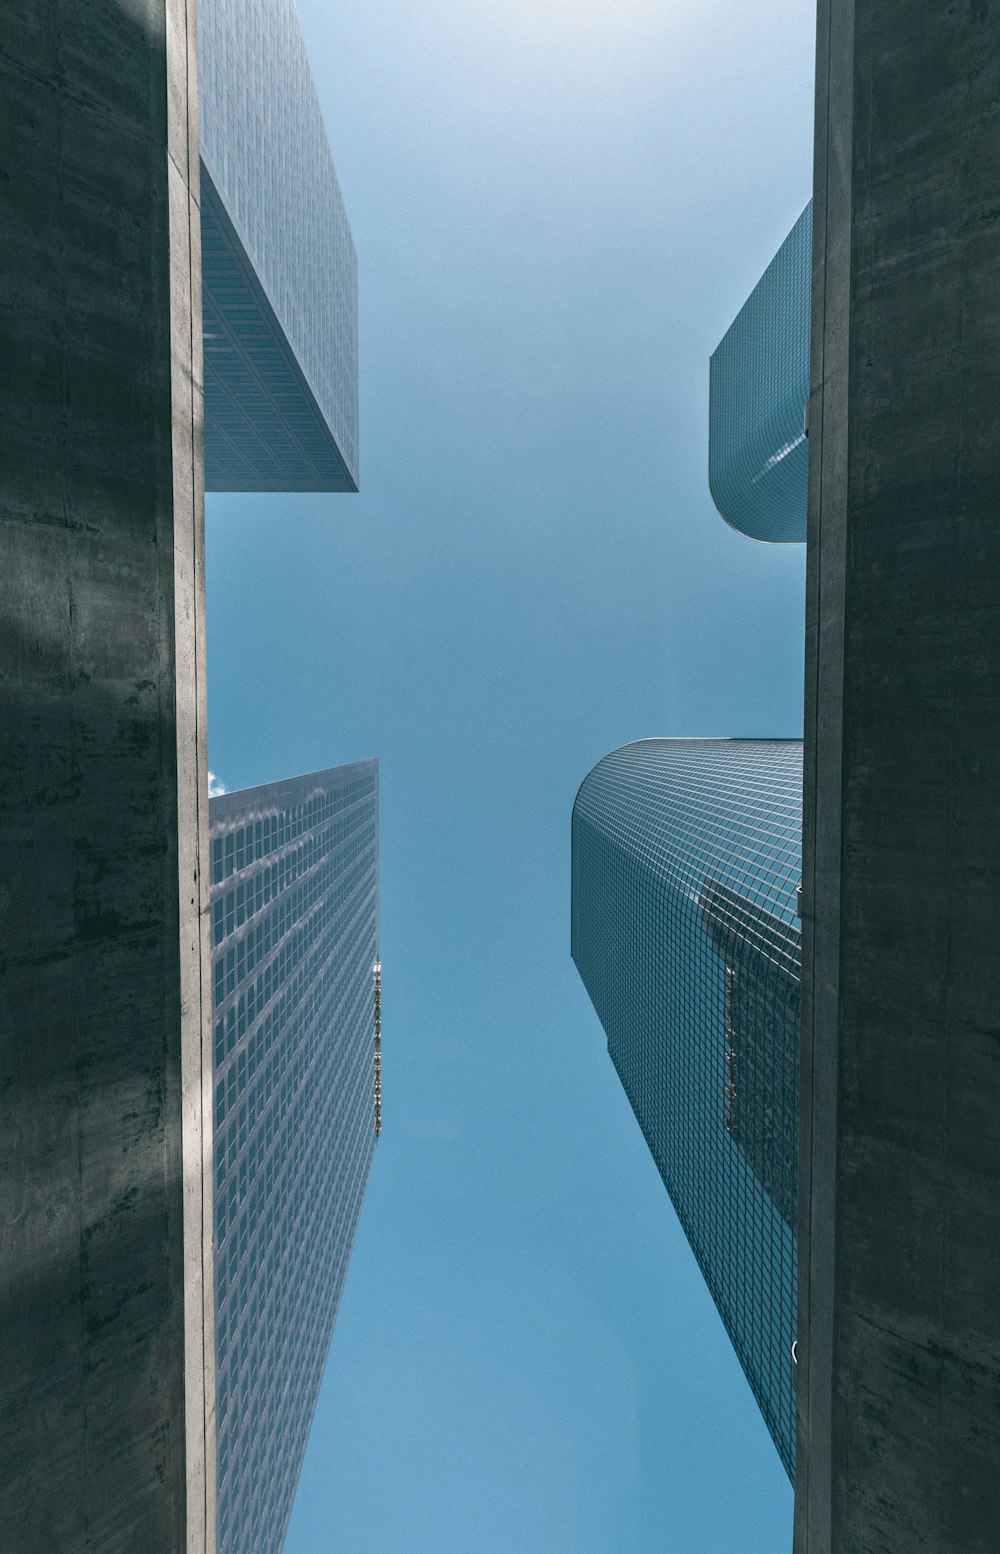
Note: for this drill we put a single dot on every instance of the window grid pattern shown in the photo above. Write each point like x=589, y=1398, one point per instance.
x=263, y=428
x=294, y=926
x=758, y=449
x=685, y=872
x=265, y=151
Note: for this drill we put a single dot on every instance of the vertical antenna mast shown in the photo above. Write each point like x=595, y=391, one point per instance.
x=378, y=1048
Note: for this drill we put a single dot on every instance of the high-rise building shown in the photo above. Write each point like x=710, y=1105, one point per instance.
x=279, y=271
x=685, y=875
x=899, y=1429
x=106, y=1430
x=296, y=1028
x=758, y=423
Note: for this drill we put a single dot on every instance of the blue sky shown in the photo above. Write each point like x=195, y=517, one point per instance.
x=557, y=210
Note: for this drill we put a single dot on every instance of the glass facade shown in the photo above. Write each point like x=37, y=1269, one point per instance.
x=279, y=269
x=685, y=931
x=294, y=910
x=758, y=449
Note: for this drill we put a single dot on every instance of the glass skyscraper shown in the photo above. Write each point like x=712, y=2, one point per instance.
x=297, y=1088
x=685, y=875
x=758, y=449
x=279, y=271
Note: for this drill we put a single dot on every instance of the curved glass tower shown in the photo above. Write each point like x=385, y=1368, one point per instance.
x=758, y=449
x=686, y=868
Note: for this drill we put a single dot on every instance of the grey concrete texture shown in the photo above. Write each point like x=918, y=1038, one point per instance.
x=899, y=1340
x=106, y=1381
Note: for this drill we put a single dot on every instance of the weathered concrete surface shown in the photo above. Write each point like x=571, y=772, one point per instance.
x=106, y=1381
x=899, y=1334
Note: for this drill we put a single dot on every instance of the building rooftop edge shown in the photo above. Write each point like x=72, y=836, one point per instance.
x=686, y=739
x=243, y=798
x=212, y=197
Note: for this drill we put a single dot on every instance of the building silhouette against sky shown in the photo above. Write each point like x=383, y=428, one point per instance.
x=899, y=1430
x=279, y=271
x=686, y=863
x=294, y=871
x=297, y=1106
x=107, y=1429
x=758, y=420
x=106, y=1422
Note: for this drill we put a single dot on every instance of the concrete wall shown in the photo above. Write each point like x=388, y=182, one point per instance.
x=899, y=1323
x=106, y=1379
